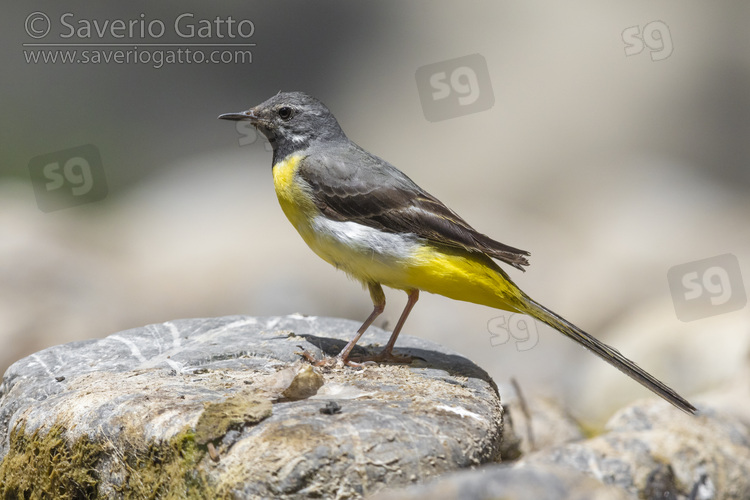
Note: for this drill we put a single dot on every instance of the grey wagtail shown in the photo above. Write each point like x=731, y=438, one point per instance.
x=364, y=216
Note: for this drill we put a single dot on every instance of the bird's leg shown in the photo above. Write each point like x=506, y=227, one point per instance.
x=378, y=302
x=387, y=353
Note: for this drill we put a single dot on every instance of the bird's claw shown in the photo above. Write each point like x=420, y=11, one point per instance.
x=387, y=357
x=331, y=361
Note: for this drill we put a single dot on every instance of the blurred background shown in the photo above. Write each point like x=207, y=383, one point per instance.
x=610, y=139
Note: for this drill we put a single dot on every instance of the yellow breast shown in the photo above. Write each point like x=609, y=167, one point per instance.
x=295, y=202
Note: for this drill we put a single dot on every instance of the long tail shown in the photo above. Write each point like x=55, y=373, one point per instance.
x=607, y=353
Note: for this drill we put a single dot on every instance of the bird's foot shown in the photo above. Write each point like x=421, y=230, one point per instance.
x=331, y=361
x=387, y=357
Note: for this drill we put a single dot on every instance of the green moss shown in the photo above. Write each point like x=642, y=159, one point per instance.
x=166, y=470
x=232, y=413
x=47, y=465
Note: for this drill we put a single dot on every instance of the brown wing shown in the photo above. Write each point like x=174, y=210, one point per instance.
x=370, y=191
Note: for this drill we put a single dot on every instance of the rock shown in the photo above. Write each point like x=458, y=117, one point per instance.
x=547, y=424
x=221, y=407
x=655, y=451
x=305, y=383
x=526, y=482
x=234, y=412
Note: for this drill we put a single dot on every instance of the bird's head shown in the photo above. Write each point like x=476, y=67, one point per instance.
x=291, y=121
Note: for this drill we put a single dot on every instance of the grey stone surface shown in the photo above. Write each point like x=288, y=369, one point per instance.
x=527, y=482
x=654, y=451
x=548, y=424
x=136, y=398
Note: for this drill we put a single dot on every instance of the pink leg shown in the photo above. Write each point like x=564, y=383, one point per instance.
x=378, y=302
x=387, y=353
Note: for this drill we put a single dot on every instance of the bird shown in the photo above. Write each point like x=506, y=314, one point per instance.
x=365, y=217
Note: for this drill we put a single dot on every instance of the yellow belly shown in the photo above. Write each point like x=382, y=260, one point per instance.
x=461, y=275
x=397, y=261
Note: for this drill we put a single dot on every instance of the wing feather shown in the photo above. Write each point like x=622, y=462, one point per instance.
x=370, y=191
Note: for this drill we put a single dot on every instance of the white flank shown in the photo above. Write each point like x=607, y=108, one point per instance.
x=366, y=240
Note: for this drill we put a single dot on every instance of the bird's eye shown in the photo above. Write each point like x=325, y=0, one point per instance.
x=285, y=112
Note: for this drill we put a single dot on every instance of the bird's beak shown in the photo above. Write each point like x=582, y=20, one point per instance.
x=243, y=115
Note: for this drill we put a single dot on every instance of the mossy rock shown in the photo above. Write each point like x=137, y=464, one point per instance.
x=197, y=409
